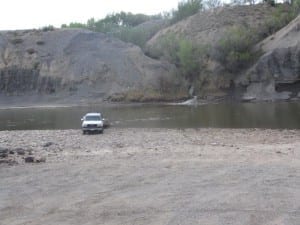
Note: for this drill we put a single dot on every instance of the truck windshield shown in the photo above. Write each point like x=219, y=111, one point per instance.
x=92, y=118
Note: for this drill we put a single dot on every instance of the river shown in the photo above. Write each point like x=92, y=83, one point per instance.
x=284, y=115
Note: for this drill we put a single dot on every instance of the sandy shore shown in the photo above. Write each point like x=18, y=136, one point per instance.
x=151, y=176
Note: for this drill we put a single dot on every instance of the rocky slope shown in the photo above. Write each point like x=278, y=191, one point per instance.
x=276, y=75
x=276, y=72
x=207, y=27
x=78, y=66
x=68, y=63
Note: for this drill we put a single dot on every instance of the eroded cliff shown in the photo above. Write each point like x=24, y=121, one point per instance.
x=68, y=63
x=276, y=74
x=81, y=65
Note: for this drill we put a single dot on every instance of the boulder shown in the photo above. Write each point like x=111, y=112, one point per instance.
x=40, y=159
x=48, y=144
x=29, y=159
x=3, y=152
x=20, y=151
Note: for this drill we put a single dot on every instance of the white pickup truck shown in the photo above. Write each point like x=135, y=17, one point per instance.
x=92, y=122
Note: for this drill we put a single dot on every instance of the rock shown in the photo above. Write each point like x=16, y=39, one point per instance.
x=3, y=155
x=8, y=162
x=40, y=159
x=248, y=98
x=192, y=101
x=191, y=91
x=3, y=152
x=20, y=151
x=29, y=159
x=34, y=159
x=48, y=144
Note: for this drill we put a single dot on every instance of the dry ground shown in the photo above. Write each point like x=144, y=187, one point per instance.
x=153, y=176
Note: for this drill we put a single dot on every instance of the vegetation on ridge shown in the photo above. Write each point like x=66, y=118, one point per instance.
x=234, y=50
x=126, y=26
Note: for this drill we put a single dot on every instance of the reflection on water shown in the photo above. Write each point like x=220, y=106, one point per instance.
x=247, y=115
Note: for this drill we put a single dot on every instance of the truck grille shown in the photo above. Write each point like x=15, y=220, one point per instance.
x=92, y=125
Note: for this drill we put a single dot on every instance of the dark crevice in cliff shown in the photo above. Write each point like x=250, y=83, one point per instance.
x=294, y=87
x=14, y=80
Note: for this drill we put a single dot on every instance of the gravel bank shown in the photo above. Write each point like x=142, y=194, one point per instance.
x=151, y=176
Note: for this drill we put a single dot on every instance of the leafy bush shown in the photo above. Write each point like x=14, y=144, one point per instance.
x=234, y=49
x=48, y=28
x=211, y=4
x=123, y=26
x=74, y=25
x=166, y=48
x=281, y=16
x=296, y=6
x=185, y=9
x=138, y=35
x=189, y=57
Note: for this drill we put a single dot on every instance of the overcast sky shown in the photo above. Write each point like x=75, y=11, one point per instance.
x=27, y=14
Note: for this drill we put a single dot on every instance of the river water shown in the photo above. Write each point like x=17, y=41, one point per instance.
x=285, y=115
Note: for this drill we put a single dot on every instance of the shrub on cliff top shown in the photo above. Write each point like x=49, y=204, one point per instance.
x=281, y=16
x=185, y=9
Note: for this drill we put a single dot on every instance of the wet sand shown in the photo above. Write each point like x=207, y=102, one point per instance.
x=152, y=176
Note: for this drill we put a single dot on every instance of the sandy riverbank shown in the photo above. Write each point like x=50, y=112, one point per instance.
x=152, y=176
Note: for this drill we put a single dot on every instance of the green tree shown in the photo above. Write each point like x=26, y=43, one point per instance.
x=296, y=6
x=168, y=48
x=187, y=62
x=91, y=24
x=138, y=35
x=76, y=25
x=280, y=17
x=185, y=9
x=270, y=2
x=192, y=59
x=210, y=4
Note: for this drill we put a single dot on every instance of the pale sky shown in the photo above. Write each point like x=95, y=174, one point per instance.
x=28, y=14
